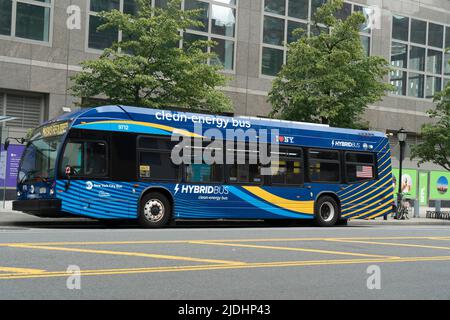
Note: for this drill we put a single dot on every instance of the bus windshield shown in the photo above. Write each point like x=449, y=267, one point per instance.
x=38, y=160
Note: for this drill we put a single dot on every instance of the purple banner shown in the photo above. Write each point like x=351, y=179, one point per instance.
x=14, y=154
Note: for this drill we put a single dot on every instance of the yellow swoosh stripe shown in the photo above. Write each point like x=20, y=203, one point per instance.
x=365, y=201
x=372, y=210
x=293, y=205
x=152, y=125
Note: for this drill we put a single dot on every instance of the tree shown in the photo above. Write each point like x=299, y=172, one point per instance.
x=435, y=145
x=147, y=68
x=328, y=78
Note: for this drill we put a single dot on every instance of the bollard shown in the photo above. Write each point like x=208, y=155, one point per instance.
x=437, y=206
x=416, y=208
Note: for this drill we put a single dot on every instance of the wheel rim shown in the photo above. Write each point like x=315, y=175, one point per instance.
x=327, y=211
x=154, y=210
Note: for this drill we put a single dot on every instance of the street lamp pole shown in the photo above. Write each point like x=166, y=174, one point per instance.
x=401, y=135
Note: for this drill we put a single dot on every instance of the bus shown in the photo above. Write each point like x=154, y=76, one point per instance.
x=116, y=162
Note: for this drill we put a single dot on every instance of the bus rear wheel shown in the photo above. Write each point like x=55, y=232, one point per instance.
x=326, y=212
x=155, y=210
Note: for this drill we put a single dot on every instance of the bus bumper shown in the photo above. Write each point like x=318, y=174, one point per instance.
x=39, y=207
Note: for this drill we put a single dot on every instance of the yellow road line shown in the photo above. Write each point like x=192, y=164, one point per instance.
x=292, y=249
x=124, y=253
x=20, y=270
x=12, y=244
x=394, y=244
x=49, y=274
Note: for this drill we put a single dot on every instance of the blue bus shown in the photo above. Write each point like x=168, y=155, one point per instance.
x=115, y=162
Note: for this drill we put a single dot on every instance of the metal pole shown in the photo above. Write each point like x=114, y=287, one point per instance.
x=402, y=145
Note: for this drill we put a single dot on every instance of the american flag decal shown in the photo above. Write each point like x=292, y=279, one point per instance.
x=364, y=172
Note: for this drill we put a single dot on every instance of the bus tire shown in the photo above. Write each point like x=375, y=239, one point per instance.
x=155, y=210
x=326, y=212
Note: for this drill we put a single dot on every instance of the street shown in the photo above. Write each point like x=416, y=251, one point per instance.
x=217, y=260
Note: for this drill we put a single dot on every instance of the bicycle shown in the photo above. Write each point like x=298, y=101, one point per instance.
x=402, y=211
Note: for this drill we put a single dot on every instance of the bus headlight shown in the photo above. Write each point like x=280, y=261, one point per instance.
x=52, y=191
x=19, y=193
x=31, y=189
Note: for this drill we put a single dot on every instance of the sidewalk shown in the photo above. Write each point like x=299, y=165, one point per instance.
x=393, y=222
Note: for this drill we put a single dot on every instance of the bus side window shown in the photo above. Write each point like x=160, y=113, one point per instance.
x=288, y=169
x=324, y=166
x=157, y=165
x=359, y=166
x=87, y=158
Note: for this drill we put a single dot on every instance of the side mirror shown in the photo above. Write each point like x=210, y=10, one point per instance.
x=6, y=145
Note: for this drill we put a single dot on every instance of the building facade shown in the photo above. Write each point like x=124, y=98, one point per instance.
x=42, y=45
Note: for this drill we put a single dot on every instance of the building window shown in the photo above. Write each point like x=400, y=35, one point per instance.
x=219, y=20
x=26, y=111
x=218, y=17
x=26, y=19
x=418, y=56
x=282, y=17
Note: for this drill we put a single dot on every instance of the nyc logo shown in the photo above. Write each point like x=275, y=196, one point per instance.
x=284, y=139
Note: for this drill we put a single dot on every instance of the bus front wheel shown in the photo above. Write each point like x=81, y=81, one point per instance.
x=326, y=212
x=155, y=210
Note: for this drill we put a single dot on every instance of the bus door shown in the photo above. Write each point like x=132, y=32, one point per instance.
x=89, y=189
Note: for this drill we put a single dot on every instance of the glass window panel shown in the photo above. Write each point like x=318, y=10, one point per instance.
x=156, y=143
x=204, y=173
x=359, y=157
x=368, y=14
x=344, y=12
x=398, y=80
x=418, y=31
x=275, y=6
x=298, y=9
x=324, y=171
x=366, y=44
x=5, y=17
x=434, y=61
x=400, y=27
x=286, y=171
x=225, y=53
x=323, y=155
x=245, y=173
x=190, y=38
x=447, y=64
x=161, y=3
x=88, y=159
x=416, y=85
x=399, y=55
x=433, y=86
x=157, y=166
x=273, y=31
x=223, y=20
x=435, y=35
x=230, y=2
x=447, y=37
x=446, y=82
x=417, y=58
x=292, y=25
x=316, y=4
x=272, y=61
x=32, y=22
x=316, y=32
x=130, y=7
x=100, y=39
x=104, y=5
x=203, y=16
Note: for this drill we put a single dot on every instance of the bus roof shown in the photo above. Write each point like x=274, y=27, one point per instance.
x=172, y=118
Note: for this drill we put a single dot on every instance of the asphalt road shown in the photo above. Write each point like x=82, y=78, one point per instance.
x=221, y=261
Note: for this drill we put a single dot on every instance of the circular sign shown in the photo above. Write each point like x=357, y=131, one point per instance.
x=442, y=185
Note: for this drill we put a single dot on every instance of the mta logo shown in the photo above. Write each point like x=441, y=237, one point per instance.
x=89, y=185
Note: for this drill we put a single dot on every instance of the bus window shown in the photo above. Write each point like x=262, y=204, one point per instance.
x=245, y=173
x=157, y=166
x=156, y=143
x=87, y=158
x=202, y=172
x=324, y=166
x=288, y=170
x=359, y=166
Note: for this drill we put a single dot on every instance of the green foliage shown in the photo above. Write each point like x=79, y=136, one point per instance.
x=436, y=136
x=147, y=68
x=328, y=78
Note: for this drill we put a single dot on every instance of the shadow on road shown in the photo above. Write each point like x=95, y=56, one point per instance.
x=77, y=223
